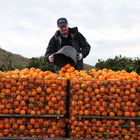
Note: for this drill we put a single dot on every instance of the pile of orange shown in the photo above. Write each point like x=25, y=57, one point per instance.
x=32, y=127
x=32, y=92
x=104, y=129
x=111, y=96
x=103, y=95
x=35, y=93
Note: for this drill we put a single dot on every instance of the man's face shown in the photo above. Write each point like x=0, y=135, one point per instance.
x=64, y=30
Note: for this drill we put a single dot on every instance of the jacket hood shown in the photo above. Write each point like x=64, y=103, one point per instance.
x=73, y=32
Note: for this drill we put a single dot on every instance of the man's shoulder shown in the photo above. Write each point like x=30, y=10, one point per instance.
x=74, y=29
x=57, y=33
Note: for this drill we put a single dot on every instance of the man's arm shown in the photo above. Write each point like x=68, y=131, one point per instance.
x=51, y=48
x=84, y=45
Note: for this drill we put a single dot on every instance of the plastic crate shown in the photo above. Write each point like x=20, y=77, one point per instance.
x=32, y=108
x=32, y=127
x=104, y=109
x=33, y=97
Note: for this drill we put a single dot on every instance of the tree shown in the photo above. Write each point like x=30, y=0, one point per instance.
x=120, y=63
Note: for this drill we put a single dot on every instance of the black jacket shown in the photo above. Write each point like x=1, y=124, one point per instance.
x=78, y=42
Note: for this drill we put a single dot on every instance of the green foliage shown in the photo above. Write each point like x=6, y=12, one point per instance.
x=7, y=63
x=120, y=63
x=39, y=62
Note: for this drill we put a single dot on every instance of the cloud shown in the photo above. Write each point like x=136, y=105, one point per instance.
x=111, y=27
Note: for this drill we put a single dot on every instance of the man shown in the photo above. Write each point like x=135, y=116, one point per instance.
x=68, y=36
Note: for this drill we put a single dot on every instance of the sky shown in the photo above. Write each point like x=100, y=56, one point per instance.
x=111, y=27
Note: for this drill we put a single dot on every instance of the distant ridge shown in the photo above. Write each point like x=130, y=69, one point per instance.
x=12, y=60
x=88, y=67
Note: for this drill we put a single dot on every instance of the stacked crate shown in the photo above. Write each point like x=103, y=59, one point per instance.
x=32, y=107
x=108, y=109
x=75, y=104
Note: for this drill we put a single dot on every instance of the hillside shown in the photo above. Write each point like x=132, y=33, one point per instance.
x=88, y=67
x=9, y=60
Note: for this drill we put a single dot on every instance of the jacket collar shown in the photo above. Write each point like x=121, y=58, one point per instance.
x=73, y=32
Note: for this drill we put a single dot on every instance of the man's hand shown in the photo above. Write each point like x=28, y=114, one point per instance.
x=80, y=56
x=51, y=58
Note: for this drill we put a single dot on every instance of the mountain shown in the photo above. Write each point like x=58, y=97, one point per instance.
x=88, y=67
x=9, y=60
